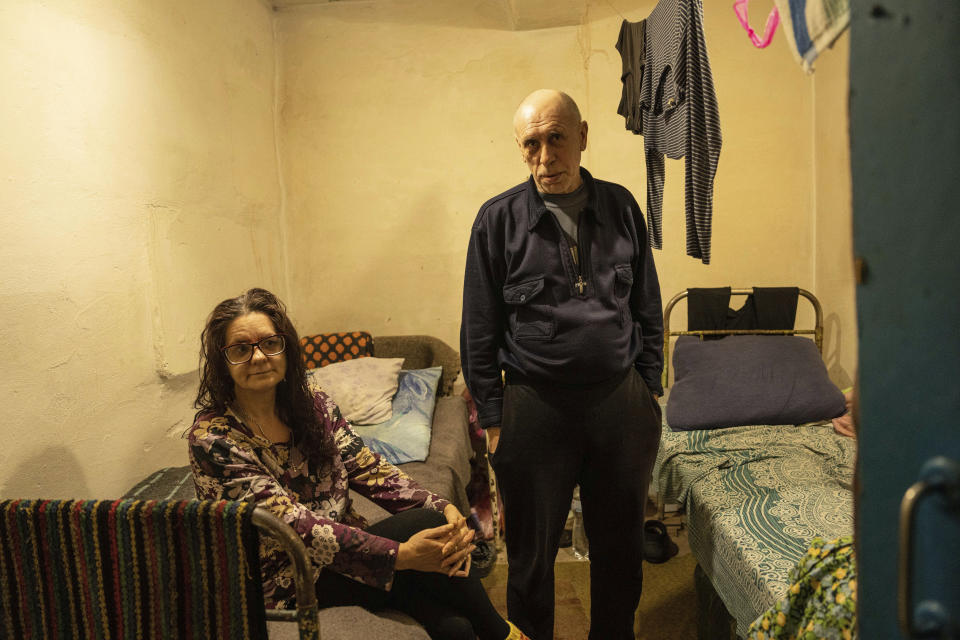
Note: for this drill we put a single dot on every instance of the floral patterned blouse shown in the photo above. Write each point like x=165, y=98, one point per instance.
x=230, y=462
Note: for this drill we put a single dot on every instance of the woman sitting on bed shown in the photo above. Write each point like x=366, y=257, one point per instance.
x=260, y=435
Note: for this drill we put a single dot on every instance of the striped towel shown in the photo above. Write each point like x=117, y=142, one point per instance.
x=812, y=26
x=129, y=569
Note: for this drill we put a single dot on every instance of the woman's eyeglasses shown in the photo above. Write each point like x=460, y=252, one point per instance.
x=243, y=351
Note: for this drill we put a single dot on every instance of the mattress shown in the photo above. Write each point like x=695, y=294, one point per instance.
x=755, y=497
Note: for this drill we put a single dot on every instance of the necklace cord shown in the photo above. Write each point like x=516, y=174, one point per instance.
x=294, y=467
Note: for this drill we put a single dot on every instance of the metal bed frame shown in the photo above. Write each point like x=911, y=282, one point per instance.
x=816, y=332
x=306, y=613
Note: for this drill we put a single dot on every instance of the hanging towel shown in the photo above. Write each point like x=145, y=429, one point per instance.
x=672, y=86
x=812, y=26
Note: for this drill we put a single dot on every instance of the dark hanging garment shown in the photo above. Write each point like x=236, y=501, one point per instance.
x=768, y=308
x=707, y=309
x=765, y=308
x=666, y=76
x=630, y=45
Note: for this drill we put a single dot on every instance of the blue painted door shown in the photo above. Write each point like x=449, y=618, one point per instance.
x=905, y=162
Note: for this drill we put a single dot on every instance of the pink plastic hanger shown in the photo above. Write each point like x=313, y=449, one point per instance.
x=740, y=8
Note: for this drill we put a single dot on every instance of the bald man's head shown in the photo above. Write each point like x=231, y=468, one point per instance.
x=551, y=137
x=546, y=99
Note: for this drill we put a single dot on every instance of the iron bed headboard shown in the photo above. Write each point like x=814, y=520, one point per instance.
x=817, y=331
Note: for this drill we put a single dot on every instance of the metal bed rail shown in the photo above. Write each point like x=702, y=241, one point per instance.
x=816, y=331
x=306, y=613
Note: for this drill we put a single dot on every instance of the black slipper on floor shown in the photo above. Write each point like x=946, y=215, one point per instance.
x=482, y=558
x=657, y=545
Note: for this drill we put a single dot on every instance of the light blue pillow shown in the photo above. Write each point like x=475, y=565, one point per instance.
x=406, y=436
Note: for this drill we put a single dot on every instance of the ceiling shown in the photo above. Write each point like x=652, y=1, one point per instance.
x=521, y=14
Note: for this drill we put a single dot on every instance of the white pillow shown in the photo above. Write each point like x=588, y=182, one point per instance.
x=363, y=388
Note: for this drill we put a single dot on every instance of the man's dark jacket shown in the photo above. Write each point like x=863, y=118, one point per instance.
x=529, y=310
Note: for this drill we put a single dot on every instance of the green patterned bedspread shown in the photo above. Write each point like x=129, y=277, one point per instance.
x=755, y=497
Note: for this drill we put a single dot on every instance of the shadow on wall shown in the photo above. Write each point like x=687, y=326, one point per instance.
x=833, y=351
x=54, y=467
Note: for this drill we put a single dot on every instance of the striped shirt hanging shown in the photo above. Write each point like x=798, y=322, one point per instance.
x=668, y=97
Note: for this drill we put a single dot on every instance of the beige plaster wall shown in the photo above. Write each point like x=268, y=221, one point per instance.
x=147, y=174
x=834, y=220
x=763, y=191
x=139, y=187
x=396, y=121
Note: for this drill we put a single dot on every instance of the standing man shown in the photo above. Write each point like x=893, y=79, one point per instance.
x=561, y=294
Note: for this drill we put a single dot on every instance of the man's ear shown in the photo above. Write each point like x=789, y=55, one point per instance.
x=523, y=156
x=583, y=136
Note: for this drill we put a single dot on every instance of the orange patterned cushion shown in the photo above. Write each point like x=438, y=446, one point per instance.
x=327, y=348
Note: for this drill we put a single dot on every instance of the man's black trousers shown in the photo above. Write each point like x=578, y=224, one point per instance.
x=603, y=437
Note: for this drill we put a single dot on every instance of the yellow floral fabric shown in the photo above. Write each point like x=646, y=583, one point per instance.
x=821, y=604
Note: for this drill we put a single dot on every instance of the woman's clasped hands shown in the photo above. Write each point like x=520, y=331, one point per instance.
x=445, y=549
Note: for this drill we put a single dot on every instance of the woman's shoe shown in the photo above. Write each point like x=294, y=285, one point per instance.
x=515, y=633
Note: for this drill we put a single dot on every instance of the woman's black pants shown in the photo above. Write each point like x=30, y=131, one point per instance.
x=603, y=437
x=448, y=608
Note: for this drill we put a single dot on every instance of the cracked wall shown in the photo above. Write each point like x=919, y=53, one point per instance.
x=139, y=187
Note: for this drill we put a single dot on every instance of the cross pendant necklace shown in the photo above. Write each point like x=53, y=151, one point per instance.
x=580, y=284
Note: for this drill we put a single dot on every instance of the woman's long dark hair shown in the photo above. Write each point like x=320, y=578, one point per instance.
x=294, y=399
